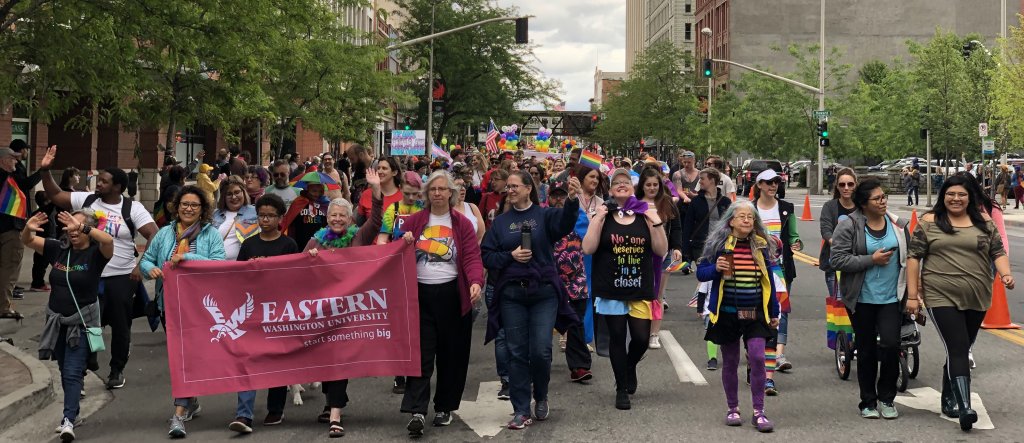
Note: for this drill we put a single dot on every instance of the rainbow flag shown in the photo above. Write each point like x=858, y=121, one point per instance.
x=12, y=200
x=591, y=160
x=676, y=266
x=837, y=319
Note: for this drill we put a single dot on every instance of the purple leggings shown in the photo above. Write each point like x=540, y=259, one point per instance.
x=730, y=381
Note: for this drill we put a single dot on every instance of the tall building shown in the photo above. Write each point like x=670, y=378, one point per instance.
x=652, y=21
x=605, y=84
x=634, y=31
x=865, y=30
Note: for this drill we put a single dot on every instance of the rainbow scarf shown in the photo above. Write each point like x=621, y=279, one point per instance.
x=12, y=200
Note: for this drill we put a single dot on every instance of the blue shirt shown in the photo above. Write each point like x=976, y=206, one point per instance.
x=881, y=282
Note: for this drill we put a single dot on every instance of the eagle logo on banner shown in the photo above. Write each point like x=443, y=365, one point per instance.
x=229, y=327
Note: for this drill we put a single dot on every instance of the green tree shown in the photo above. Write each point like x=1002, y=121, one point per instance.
x=654, y=102
x=1007, y=92
x=486, y=74
x=882, y=115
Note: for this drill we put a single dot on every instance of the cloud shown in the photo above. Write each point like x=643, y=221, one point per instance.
x=574, y=37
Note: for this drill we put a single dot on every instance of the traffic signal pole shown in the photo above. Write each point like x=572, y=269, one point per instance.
x=821, y=97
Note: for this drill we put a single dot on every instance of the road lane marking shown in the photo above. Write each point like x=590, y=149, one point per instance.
x=1008, y=336
x=487, y=415
x=929, y=399
x=685, y=369
x=805, y=258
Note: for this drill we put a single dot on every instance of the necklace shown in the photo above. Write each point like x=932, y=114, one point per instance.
x=588, y=204
x=332, y=239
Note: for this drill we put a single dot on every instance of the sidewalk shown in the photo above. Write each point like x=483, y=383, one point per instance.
x=25, y=385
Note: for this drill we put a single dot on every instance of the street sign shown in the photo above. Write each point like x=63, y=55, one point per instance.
x=982, y=129
x=822, y=114
x=988, y=146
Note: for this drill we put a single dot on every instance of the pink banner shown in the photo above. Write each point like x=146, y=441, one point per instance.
x=236, y=326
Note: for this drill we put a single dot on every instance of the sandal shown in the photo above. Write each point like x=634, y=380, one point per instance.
x=336, y=430
x=762, y=423
x=325, y=416
x=733, y=418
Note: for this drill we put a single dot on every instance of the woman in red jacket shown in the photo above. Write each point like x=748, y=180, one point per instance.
x=450, y=275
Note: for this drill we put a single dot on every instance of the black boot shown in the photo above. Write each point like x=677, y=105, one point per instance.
x=962, y=393
x=949, y=408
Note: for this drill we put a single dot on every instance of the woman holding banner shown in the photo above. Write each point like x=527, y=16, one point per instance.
x=450, y=276
x=529, y=298
x=189, y=236
x=342, y=232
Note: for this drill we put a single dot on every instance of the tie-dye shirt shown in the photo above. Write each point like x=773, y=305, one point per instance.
x=743, y=289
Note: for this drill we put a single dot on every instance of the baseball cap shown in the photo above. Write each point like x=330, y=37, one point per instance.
x=7, y=152
x=559, y=186
x=767, y=175
x=621, y=171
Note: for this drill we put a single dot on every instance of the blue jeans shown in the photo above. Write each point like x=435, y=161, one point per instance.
x=528, y=318
x=783, y=328
x=830, y=283
x=71, y=362
x=501, y=356
x=276, y=398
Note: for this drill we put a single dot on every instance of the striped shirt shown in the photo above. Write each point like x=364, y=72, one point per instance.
x=743, y=289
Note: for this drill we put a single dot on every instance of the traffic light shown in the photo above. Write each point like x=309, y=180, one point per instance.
x=408, y=123
x=823, y=133
x=522, y=30
x=707, y=68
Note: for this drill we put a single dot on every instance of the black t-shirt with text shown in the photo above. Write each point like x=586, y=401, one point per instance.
x=83, y=270
x=311, y=219
x=256, y=247
x=623, y=267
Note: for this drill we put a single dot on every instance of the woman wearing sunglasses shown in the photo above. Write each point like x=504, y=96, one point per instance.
x=833, y=212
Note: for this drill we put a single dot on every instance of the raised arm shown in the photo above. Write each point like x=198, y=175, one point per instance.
x=56, y=195
x=29, y=238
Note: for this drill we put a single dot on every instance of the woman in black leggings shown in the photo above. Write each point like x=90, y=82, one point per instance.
x=959, y=245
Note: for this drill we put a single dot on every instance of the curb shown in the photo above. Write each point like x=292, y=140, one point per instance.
x=30, y=398
x=1006, y=222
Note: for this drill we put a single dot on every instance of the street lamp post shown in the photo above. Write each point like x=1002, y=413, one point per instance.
x=430, y=86
x=707, y=35
x=821, y=97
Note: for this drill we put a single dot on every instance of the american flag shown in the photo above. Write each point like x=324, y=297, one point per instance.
x=492, y=139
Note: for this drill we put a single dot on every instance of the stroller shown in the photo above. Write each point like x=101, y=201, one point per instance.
x=909, y=355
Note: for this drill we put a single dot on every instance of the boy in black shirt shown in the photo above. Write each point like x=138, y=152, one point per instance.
x=270, y=243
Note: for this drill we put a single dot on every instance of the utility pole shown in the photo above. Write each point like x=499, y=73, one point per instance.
x=928, y=160
x=430, y=86
x=821, y=97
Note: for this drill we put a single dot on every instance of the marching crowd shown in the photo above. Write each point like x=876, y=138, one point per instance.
x=577, y=245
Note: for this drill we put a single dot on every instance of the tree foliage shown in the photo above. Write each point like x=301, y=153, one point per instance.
x=655, y=102
x=486, y=74
x=1007, y=92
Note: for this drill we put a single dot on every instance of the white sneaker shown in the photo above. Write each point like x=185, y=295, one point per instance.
x=970, y=358
x=67, y=430
x=655, y=342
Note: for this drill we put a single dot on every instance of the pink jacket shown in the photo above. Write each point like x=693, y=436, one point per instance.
x=471, y=267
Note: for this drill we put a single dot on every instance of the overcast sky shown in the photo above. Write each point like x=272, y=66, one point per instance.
x=575, y=36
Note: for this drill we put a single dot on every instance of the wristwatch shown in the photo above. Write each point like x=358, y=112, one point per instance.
x=86, y=229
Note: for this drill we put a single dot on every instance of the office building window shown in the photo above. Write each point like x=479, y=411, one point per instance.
x=686, y=32
x=687, y=8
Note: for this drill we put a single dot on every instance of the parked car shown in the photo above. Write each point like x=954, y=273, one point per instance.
x=752, y=167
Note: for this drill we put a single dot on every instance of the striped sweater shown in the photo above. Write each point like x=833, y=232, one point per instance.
x=743, y=289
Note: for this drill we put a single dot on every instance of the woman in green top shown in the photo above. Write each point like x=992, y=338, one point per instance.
x=958, y=244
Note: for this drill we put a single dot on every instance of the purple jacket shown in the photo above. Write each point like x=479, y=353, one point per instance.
x=471, y=268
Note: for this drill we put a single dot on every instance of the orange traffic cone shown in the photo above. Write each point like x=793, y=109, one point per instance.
x=751, y=196
x=807, y=209
x=913, y=221
x=998, y=316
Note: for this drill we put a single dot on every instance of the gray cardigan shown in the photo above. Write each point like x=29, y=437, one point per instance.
x=851, y=257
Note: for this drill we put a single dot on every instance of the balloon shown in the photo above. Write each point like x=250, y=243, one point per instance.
x=444, y=141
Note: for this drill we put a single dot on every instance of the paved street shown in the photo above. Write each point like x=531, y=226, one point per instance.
x=814, y=404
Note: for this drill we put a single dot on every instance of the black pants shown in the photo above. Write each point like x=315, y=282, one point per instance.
x=276, y=398
x=877, y=340
x=116, y=310
x=623, y=360
x=577, y=356
x=445, y=338
x=39, y=265
x=337, y=393
x=957, y=330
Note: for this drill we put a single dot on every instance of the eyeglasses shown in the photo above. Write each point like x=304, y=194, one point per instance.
x=514, y=187
x=846, y=185
x=744, y=217
x=190, y=205
x=880, y=198
x=622, y=183
x=959, y=195
x=280, y=174
x=268, y=216
x=437, y=190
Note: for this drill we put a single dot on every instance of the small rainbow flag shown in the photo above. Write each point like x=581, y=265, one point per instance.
x=12, y=200
x=676, y=266
x=591, y=160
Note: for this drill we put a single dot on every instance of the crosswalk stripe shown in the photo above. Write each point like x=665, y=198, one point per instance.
x=685, y=369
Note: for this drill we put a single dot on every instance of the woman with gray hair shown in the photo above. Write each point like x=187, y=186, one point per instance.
x=739, y=259
x=341, y=232
x=450, y=274
x=78, y=260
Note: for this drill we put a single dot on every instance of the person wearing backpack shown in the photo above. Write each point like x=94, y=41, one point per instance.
x=121, y=276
